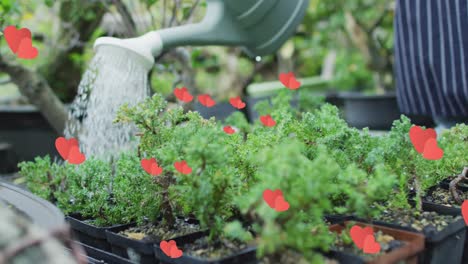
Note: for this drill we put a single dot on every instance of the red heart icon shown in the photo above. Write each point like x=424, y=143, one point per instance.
x=370, y=245
x=289, y=80
x=206, y=100
x=26, y=49
x=166, y=246
x=69, y=150
x=464, y=209
x=175, y=252
x=75, y=156
x=229, y=130
x=170, y=249
x=236, y=102
x=14, y=36
x=432, y=151
x=182, y=167
x=270, y=196
x=280, y=204
x=418, y=137
x=358, y=234
x=267, y=121
x=63, y=146
x=151, y=166
x=183, y=95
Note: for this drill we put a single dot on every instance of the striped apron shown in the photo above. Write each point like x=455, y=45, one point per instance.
x=431, y=57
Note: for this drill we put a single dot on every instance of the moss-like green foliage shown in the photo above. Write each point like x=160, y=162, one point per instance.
x=313, y=188
x=304, y=184
x=396, y=151
x=325, y=127
x=108, y=194
x=171, y=136
x=43, y=177
x=454, y=142
x=133, y=192
x=321, y=165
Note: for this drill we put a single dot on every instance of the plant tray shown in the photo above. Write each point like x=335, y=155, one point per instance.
x=408, y=253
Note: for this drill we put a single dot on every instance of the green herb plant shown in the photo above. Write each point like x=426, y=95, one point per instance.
x=171, y=136
x=96, y=190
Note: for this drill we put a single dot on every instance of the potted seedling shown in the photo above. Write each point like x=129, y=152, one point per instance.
x=163, y=135
x=287, y=171
x=93, y=195
x=66, y=186
x=209, y=190
x=396, y=152
x=446, y=193
x=289, y=228
x=216, y=169
x=445, y=232
x=450, y=189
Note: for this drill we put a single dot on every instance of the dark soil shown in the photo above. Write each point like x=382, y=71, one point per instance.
x=421, y=221
x=219, y=248
x=443, y=197
x=151, y=232
x=387, y=244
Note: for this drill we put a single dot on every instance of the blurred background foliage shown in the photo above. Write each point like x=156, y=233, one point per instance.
x=356, y=36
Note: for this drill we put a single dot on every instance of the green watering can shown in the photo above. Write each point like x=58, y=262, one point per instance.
x=260, y=26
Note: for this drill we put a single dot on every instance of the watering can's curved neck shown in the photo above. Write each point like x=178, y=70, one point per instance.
x=260, y=26
x=215, y=29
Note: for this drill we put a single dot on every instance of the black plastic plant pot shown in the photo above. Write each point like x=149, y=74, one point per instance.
x=141, y=250
x=220, y=111
x=27, y=131
x=245, y=256
x=100, y=256
x=452, y=210
x=85, y=255
x=337, y=218
x=445, y=246
x=8, y=158
x=334, y=99
x=89, y=234
x=448, y=245
x=376, y=112
x=343, y=257
x=461, y=186
x=130, y=248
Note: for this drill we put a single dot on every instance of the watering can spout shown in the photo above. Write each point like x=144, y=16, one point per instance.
x=148, y=46
x=260, y=26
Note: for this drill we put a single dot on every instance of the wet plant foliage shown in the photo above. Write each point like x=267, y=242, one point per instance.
x=321, y=165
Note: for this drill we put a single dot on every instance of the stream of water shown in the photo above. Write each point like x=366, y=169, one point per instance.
x=113, y=78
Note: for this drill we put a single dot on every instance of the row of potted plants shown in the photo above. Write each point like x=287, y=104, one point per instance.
x=323, y=175
x=26, y=122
